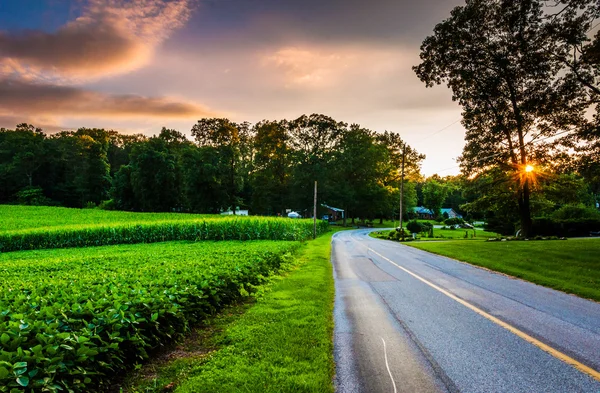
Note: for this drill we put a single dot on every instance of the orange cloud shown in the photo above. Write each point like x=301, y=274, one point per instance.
x=22, y=98
x=110, y=37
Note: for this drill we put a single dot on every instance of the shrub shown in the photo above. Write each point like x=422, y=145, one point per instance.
x=426, y=226
x=547, y=226
x=575, y=212
x=414, y=227
x=33, y=196
x=107, y=205
x=454, y=221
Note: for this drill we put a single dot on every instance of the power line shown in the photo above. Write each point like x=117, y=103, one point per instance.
x=442, y=129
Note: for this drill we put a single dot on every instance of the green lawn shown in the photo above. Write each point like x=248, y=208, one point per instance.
x=458, y=234
x=281, y=343
x=571, y=266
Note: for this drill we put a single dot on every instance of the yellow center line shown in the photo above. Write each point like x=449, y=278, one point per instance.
x=544, y=347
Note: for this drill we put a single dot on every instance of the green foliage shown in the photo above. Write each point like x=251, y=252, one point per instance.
x=33, y=196
x=71, y=319
x=548, y=226
x=569, y=212
x=454, y=221
x=283, y=343
x=241, y=228
x=434, y=195
x=414, y=227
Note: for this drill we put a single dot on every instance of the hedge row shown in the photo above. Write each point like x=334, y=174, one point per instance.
x=70, y=320
x=568, y=227
x=242, y=228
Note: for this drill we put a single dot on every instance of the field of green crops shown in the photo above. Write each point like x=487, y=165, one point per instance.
x=40, y=230
x=71, y=317
x=15, y=218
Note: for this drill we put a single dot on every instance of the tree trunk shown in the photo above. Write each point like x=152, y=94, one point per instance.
x=525, y=212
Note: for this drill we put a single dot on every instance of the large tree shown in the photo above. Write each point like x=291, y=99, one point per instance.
x=271, y=168
x=500, y=62
x=227, y=138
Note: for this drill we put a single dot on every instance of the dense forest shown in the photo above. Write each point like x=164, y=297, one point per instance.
x=267, y=168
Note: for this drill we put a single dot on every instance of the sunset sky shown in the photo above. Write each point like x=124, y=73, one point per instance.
x=135, y=66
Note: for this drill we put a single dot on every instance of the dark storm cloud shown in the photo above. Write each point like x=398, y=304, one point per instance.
x=21, y=97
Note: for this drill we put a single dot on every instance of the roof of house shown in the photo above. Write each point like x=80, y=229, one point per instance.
x=421, y=210
x=335, y=209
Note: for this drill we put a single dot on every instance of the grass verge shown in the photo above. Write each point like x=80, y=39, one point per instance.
x=280, y=343
x=571, y=266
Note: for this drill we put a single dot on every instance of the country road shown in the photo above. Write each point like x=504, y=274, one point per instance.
x=410, y=321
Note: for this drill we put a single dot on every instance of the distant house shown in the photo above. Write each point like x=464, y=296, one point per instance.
x=334, y=213
x=451, y=213
x=423, y=213
x=238, y=212
x=426, y=214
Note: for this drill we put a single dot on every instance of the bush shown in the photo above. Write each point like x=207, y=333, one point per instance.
x=548, y=226
x=426, y=226
x=107, y=205
x=575, y=212
x=414, y=227
x=454, y=221
x=33, y=196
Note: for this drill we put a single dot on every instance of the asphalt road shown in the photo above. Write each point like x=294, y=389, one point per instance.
x=410, y=321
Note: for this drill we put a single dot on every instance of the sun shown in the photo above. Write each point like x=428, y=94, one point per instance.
x=529, y=168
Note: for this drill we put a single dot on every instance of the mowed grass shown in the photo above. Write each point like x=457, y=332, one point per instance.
x=17, y=218
x=571, y=266
x=281, y=343
x=458, y=234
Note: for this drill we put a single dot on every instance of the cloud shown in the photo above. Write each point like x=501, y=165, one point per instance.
x=23, y=98
x=110, y=37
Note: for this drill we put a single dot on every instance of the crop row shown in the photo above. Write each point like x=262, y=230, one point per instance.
x=71, y=318
x=16, y=217
x=241, y=228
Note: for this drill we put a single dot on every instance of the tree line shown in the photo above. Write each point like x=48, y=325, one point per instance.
x=267, y=167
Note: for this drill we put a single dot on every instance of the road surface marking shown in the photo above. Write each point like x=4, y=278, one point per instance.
x=388, y=366
x=544, y=347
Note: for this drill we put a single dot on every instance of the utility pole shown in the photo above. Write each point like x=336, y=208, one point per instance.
x=402, y=186
x=315, y=214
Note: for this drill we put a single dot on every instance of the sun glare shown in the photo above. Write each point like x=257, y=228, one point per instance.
x=529, y=168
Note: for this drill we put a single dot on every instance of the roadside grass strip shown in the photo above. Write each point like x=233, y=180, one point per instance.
x=86, y=235
x=70, y=320
x=281, y=343
x=571, y=266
